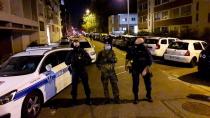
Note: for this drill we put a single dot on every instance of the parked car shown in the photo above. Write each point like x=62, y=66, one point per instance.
x=185, y=51
x=89, y=48
x=122, y=41
x=158, y=45
x=30, y=78
x=204, y=62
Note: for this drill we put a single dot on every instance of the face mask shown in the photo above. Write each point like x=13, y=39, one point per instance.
x=108, y=47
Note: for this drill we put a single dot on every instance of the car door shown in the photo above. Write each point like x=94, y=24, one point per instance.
x=197, y=49
x=65, y=77
x=50, y=88
x=163, y=46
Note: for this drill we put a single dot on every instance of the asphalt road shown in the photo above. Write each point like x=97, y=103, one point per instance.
x=178, y=92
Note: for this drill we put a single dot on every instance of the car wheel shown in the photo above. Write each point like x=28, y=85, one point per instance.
x=31, y=105
x=193, y=62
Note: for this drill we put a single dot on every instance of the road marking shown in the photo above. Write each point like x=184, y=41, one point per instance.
x=121, y=73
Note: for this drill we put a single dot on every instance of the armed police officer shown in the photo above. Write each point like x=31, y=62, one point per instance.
x=106, y=62
x=78, y=58
x=138, y=61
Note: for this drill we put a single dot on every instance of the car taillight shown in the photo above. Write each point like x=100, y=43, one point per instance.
x=187, y=53
x=157, y=46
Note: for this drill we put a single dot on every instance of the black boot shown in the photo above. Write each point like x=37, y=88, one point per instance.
x=149, y=98
x=74, y=101
x=88, y=101
x=136, y=99
x=117, y=100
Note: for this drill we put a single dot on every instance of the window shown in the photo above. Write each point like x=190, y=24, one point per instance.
x=205, y=45
x=133, y=19
x=175, y=13
x=165, y=15
x=164, y=1
x=20, y=65
x=186, y=10
x=197, y=18
x=171, y=41
x=62, y=2
x=124, y=19
x=50, y=59
x=179, y=46
x=209, y=17
x=197, y=6
x=144, y=6
x=53, y=28
x=1, y=5
x=62, y=56
x=124, y=28
x=157, y=2
x=157, y=15
x=144, y=18
x=165, y=29
x=41, y=26
x=197, y=46
x=164, y=41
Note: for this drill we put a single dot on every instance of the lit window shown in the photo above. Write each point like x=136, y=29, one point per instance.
x=62, y=2
x=124, y=19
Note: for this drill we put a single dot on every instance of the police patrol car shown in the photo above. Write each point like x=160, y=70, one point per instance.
x=30, y=78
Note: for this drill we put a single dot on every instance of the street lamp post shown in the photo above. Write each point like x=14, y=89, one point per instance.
x=128, y=16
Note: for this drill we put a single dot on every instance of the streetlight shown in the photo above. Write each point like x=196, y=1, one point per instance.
x=87, y=11
x=128, y=8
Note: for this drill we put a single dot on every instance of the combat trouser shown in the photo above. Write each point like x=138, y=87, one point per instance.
x=105, y=78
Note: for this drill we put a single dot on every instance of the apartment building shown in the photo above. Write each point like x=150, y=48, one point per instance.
x=25, y=21
x=173, y=15
x=119, y=23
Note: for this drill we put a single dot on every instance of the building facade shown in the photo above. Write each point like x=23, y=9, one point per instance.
x=26, y=21
x=119, y=23
x=173, y=15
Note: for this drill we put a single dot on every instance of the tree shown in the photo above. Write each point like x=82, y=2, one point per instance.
x=90, y=22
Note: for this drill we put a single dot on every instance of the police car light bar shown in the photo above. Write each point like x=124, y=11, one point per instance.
x=47, y=47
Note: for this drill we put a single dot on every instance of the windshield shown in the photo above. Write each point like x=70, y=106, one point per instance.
x=179, y=45
x=151, y=41
x=20, y=65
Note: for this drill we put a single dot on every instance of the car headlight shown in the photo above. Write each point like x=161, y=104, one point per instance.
x=203, y=56
x=7, y=97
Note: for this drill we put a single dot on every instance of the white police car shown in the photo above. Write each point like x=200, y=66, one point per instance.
x=30, y=78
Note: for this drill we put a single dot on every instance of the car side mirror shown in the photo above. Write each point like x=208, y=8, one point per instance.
x=48, y=67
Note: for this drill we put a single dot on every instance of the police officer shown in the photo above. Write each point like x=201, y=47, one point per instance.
x=78, y=58
x=105, y=62
x=138, y=61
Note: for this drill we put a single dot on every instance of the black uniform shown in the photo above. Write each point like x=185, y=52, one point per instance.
x=78, y=58
x=140, y=58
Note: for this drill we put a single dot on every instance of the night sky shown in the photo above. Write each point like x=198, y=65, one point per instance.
x=103, y=8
